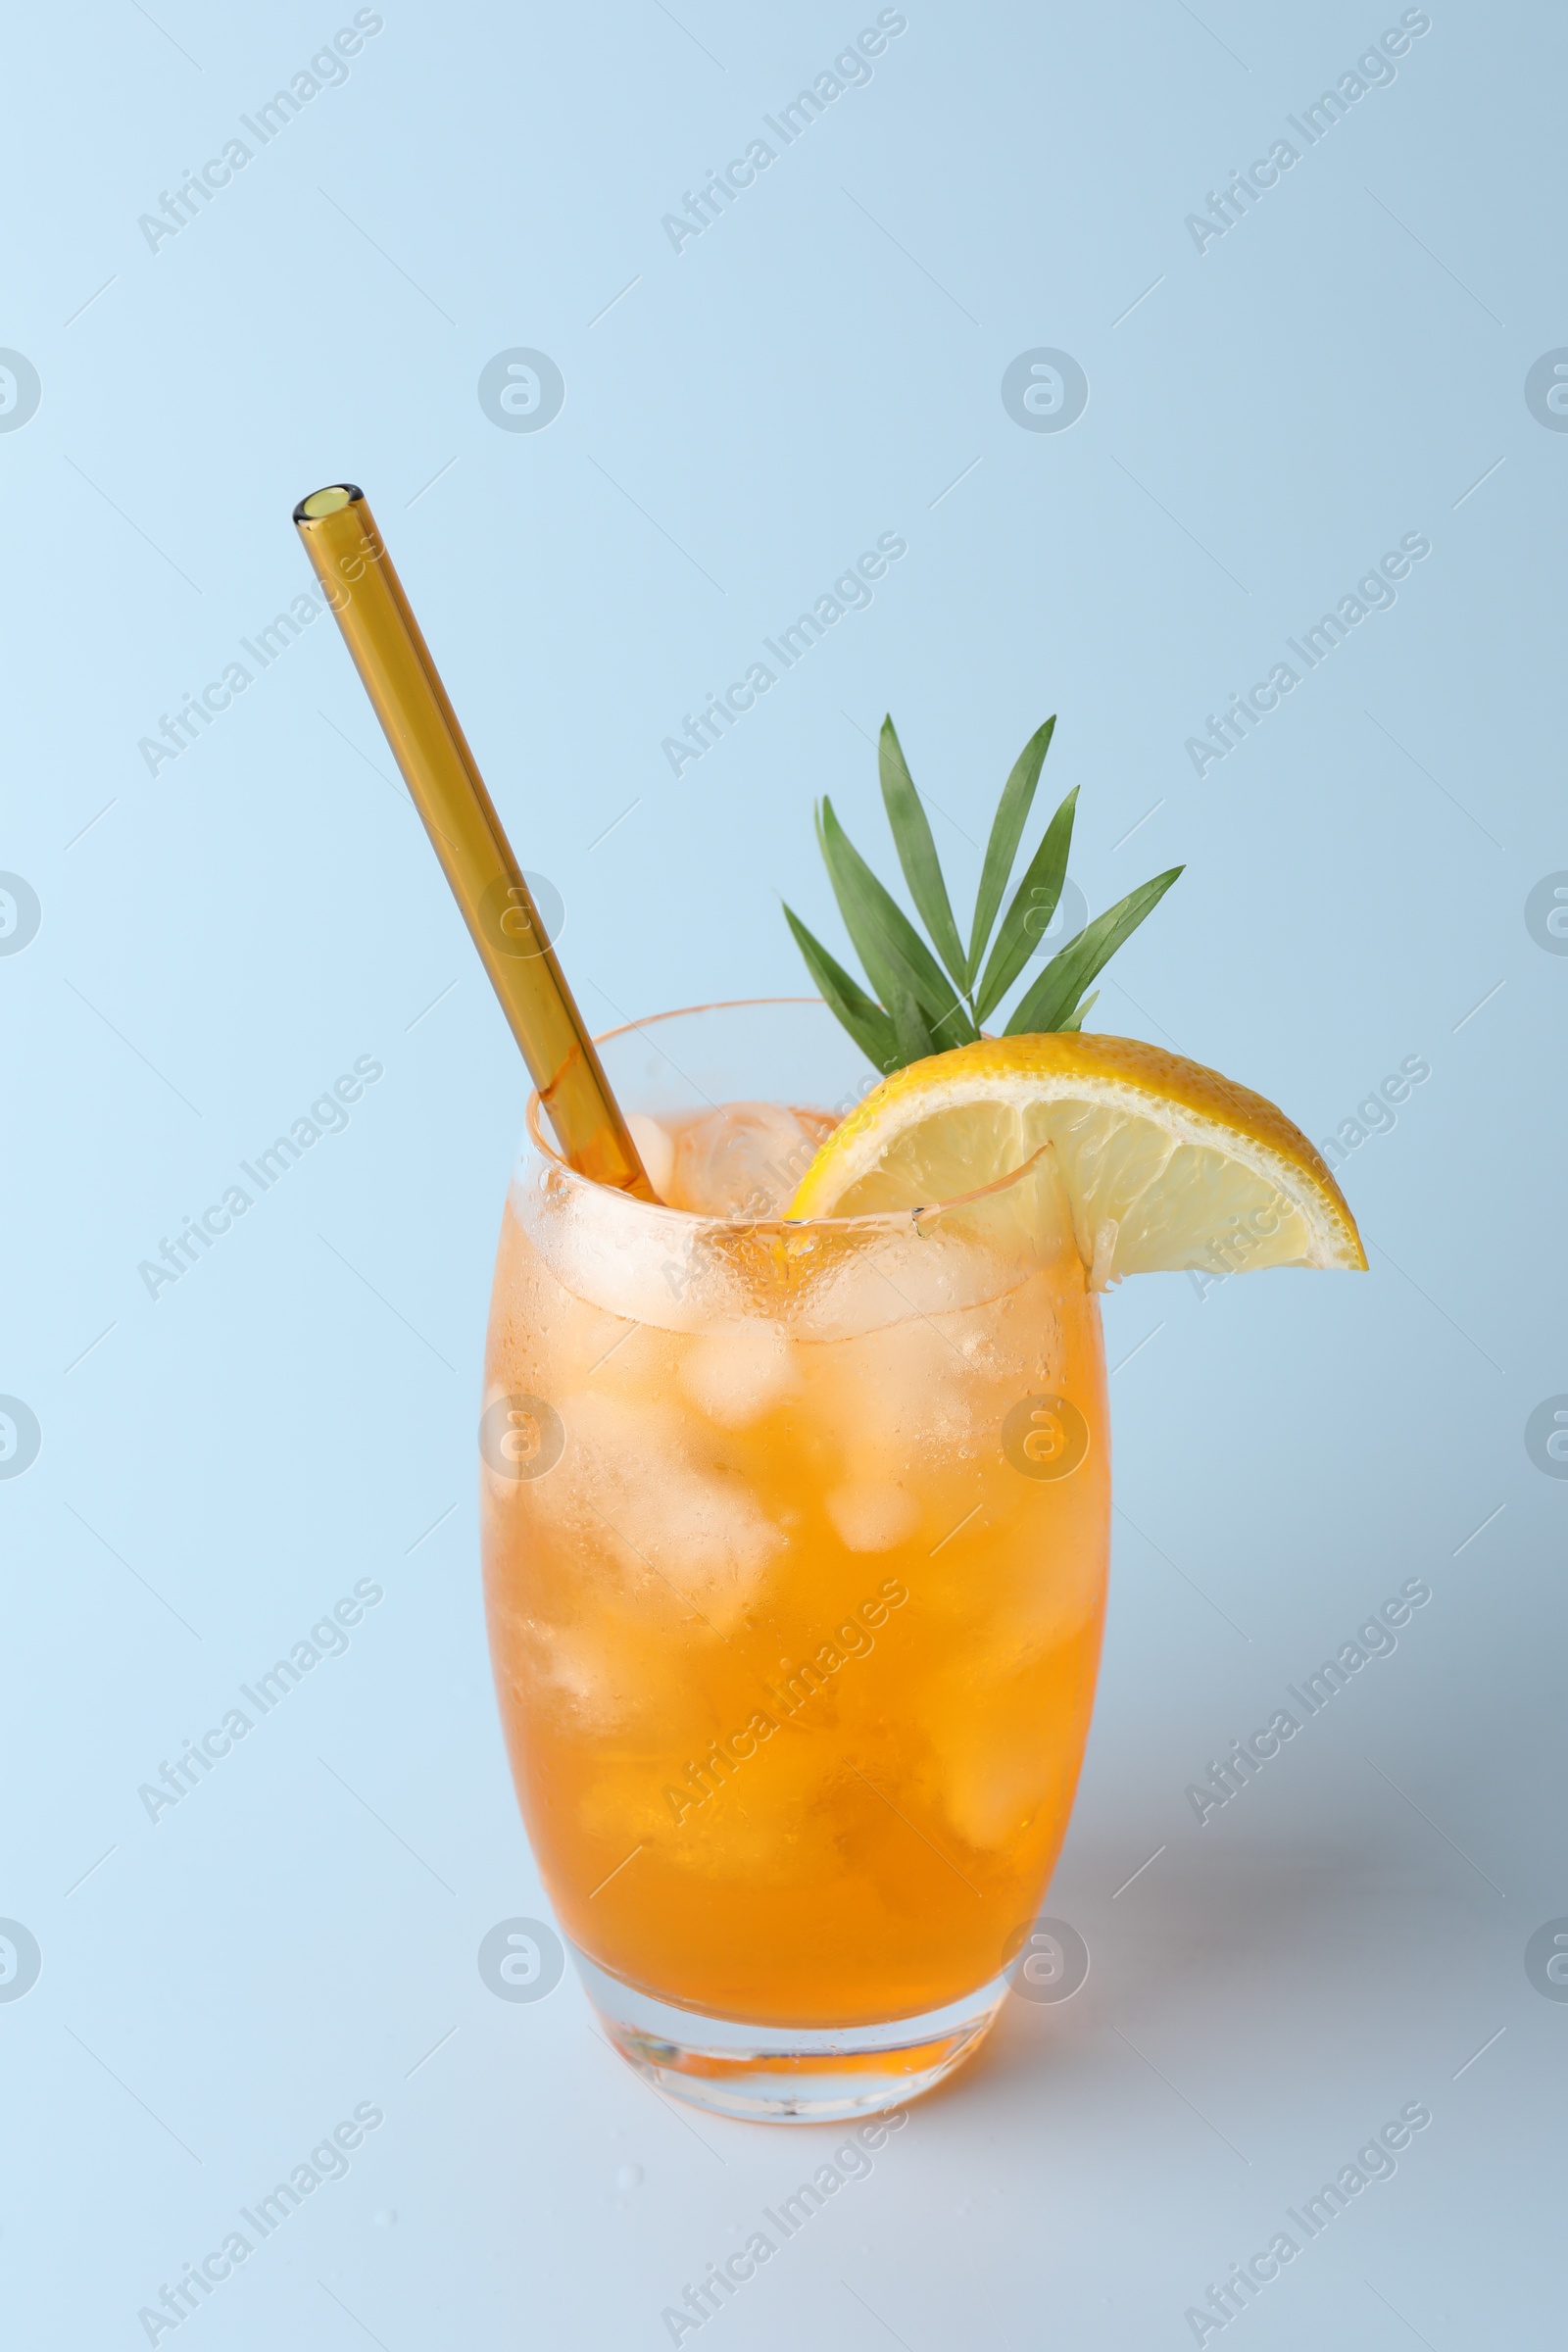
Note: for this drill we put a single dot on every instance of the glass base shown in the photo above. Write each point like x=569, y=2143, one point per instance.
x=787, y=2073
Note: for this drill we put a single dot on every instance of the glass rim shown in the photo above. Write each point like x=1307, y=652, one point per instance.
x=887, y=1220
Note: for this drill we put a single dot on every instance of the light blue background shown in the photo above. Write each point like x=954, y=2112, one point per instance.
x=219, y=941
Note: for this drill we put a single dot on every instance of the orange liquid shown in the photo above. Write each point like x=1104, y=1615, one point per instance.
x=795, y=1655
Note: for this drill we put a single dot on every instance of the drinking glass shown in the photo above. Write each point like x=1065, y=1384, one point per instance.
x=794, y=1543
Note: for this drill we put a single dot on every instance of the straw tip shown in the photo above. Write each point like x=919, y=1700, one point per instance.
x=330, y=501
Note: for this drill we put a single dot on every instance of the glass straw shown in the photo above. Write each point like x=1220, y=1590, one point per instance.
x=428, y=745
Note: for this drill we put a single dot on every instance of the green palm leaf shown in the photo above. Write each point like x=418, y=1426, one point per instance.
x=1056, y=993
x=917, y=853
x=1007, y=831
x=894, y=954
x=917, y=1008
x=915, y=1042
x=1033, y=905
x=865, y=1021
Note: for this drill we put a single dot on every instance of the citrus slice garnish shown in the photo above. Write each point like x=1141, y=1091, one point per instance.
x=1165, y=1165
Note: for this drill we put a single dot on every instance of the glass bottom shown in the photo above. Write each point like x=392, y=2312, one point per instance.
x=787, y=2073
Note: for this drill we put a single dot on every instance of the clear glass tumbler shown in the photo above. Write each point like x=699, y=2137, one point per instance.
x=794, y=1543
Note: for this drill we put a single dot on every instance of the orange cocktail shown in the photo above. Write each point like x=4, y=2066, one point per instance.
x=795, y=1531
x=795, y=1548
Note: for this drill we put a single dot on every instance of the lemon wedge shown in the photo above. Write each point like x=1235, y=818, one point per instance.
x=1165, y=1165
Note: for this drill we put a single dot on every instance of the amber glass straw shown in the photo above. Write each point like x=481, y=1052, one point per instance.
x=439, y=770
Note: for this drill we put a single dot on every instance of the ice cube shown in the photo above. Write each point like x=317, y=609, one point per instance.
x=630, y=1489
x=906, y=1394
x=994, y=1798
x=736, y=1374
x=656, y=1148
x=569, y=1672
x=744, y=1159
x=634, y=1263
x=872, y=1517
